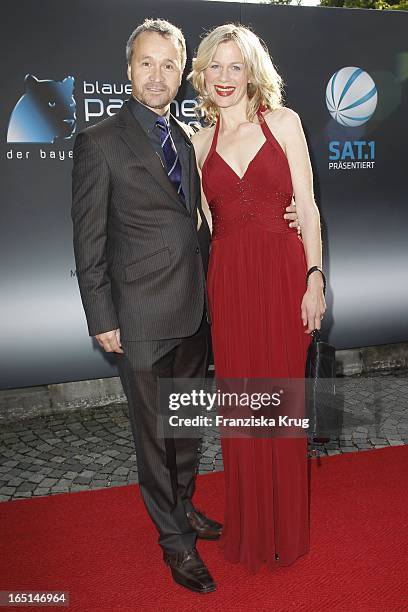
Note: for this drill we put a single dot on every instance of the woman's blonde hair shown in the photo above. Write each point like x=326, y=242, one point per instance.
x=265, y=84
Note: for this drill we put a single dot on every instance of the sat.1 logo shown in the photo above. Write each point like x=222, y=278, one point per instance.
x=351, y=99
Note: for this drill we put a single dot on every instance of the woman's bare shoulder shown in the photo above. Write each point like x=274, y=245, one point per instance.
x=280, y=115
x=202, y=142
x=202, y=135
x=285, y=124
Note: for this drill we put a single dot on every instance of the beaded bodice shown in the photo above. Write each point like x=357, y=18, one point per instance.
x=256, y=200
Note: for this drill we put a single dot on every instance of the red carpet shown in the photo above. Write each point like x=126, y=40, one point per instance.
x=101, y=547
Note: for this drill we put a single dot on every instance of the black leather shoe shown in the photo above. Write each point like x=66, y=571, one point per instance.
x=189, y=571
x=206, y=528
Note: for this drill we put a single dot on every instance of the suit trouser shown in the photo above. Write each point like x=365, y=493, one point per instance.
x=166, y=466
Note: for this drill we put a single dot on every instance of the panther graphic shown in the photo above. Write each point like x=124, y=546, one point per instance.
x=44, y=112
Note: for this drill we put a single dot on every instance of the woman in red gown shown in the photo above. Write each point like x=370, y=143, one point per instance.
x=253, y=158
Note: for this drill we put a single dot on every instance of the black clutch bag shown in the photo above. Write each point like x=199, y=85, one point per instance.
x=320, y=388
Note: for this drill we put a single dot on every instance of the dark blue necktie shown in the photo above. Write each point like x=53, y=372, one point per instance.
x=171, y=157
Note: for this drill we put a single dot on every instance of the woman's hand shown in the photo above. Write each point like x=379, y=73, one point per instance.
x=313, y=303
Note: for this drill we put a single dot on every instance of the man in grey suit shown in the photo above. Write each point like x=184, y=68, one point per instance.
x=141, y=267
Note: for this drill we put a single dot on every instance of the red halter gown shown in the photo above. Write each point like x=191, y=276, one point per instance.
x=256, y=281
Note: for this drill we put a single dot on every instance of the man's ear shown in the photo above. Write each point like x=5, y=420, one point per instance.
x=129, y=72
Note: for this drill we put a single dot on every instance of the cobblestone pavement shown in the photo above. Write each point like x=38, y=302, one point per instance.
x=92, y=448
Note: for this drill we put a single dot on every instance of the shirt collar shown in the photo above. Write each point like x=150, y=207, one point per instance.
x=146, y=117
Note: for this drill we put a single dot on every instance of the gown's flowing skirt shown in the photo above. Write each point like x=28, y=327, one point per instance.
x=256, y=281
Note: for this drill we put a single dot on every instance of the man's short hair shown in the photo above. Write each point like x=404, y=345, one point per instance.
x=163, y=27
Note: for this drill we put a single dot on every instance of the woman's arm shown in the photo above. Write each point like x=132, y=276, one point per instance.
x=313, y=304
x=204, y=206
x=201, y=142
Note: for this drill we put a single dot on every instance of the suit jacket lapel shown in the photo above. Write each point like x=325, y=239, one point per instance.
x=138, y=142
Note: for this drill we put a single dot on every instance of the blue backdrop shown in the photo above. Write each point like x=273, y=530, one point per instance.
x=67, y=70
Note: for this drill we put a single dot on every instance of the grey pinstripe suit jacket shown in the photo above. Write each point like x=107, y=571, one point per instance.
x=136, y=246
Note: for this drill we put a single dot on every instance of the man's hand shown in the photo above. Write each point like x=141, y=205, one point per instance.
x=110, y=341
x=291, y=215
